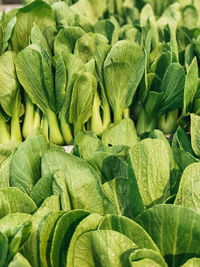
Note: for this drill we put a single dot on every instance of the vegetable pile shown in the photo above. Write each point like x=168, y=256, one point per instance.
x=67, y=67
x=118, y=79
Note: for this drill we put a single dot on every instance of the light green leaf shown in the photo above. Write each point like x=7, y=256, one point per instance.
x=39, y=13
x=182, y=149
x=41, y=88
x=64, y=15
x=10, y=222
x=89, y=10
x=123, y=70
x=191, y=85
x=30, y=250
x=89, y=223
x=105, y=27
x=13, y=200
x=38, y=37
x=19, y=261
x=82, y=182
x=150, y=162
x=194, y=262
x=30, y=153
x=188, y=192
x=42, y=189
x=9, y=87
x=60, y=82
x=195, y=131
x=6, y=150
x=63, y=233
x=164, y=223
x=173, y=87
x=85, y=45
x=130, y=229
x=66, y=39
x=45, y=231
x=59, y=187
x=123, y=133
x=82, y=100
x=190, y=16
x=147, y=257
x=86, y=144
x=3, y=249
x=92, y=245
x=119, y=192
x=17, y=241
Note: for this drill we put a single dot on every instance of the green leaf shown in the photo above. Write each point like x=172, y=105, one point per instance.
x=188, y=192
x=157, y=134
x=164, y=223
x=41, y=88
x=194, y=262
x=92, y=245
x=10, y=222
x=130, y=229
x=38, y=38
x=13, y=200
x=123, y=133
x=39, y=13
x=105, y=27
x=44, y=237
x=85, y=45
x=1, y=39
x=173, y=87
x=182, y=149
x=190, y=16
x=63, y=14
x=82, y=182
x=9, y=87
x=191, y=85
x=86, y=144
x=59, y=187
x=30, y=153
x=123, y=70
x=30, y=250
x=42, y=189
x=89, y=223
x=5, y=172
x=119, y=192
x=194, y=129
x=161, y=64
x=89, y=11
x=66, y=39
x=18, y=239
x=82, y=100
x=3, y=249
x=60, y=82
x=64, y=230
x=19, y=261
x=147, y=257
x=6, y=150
x=150, y=162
